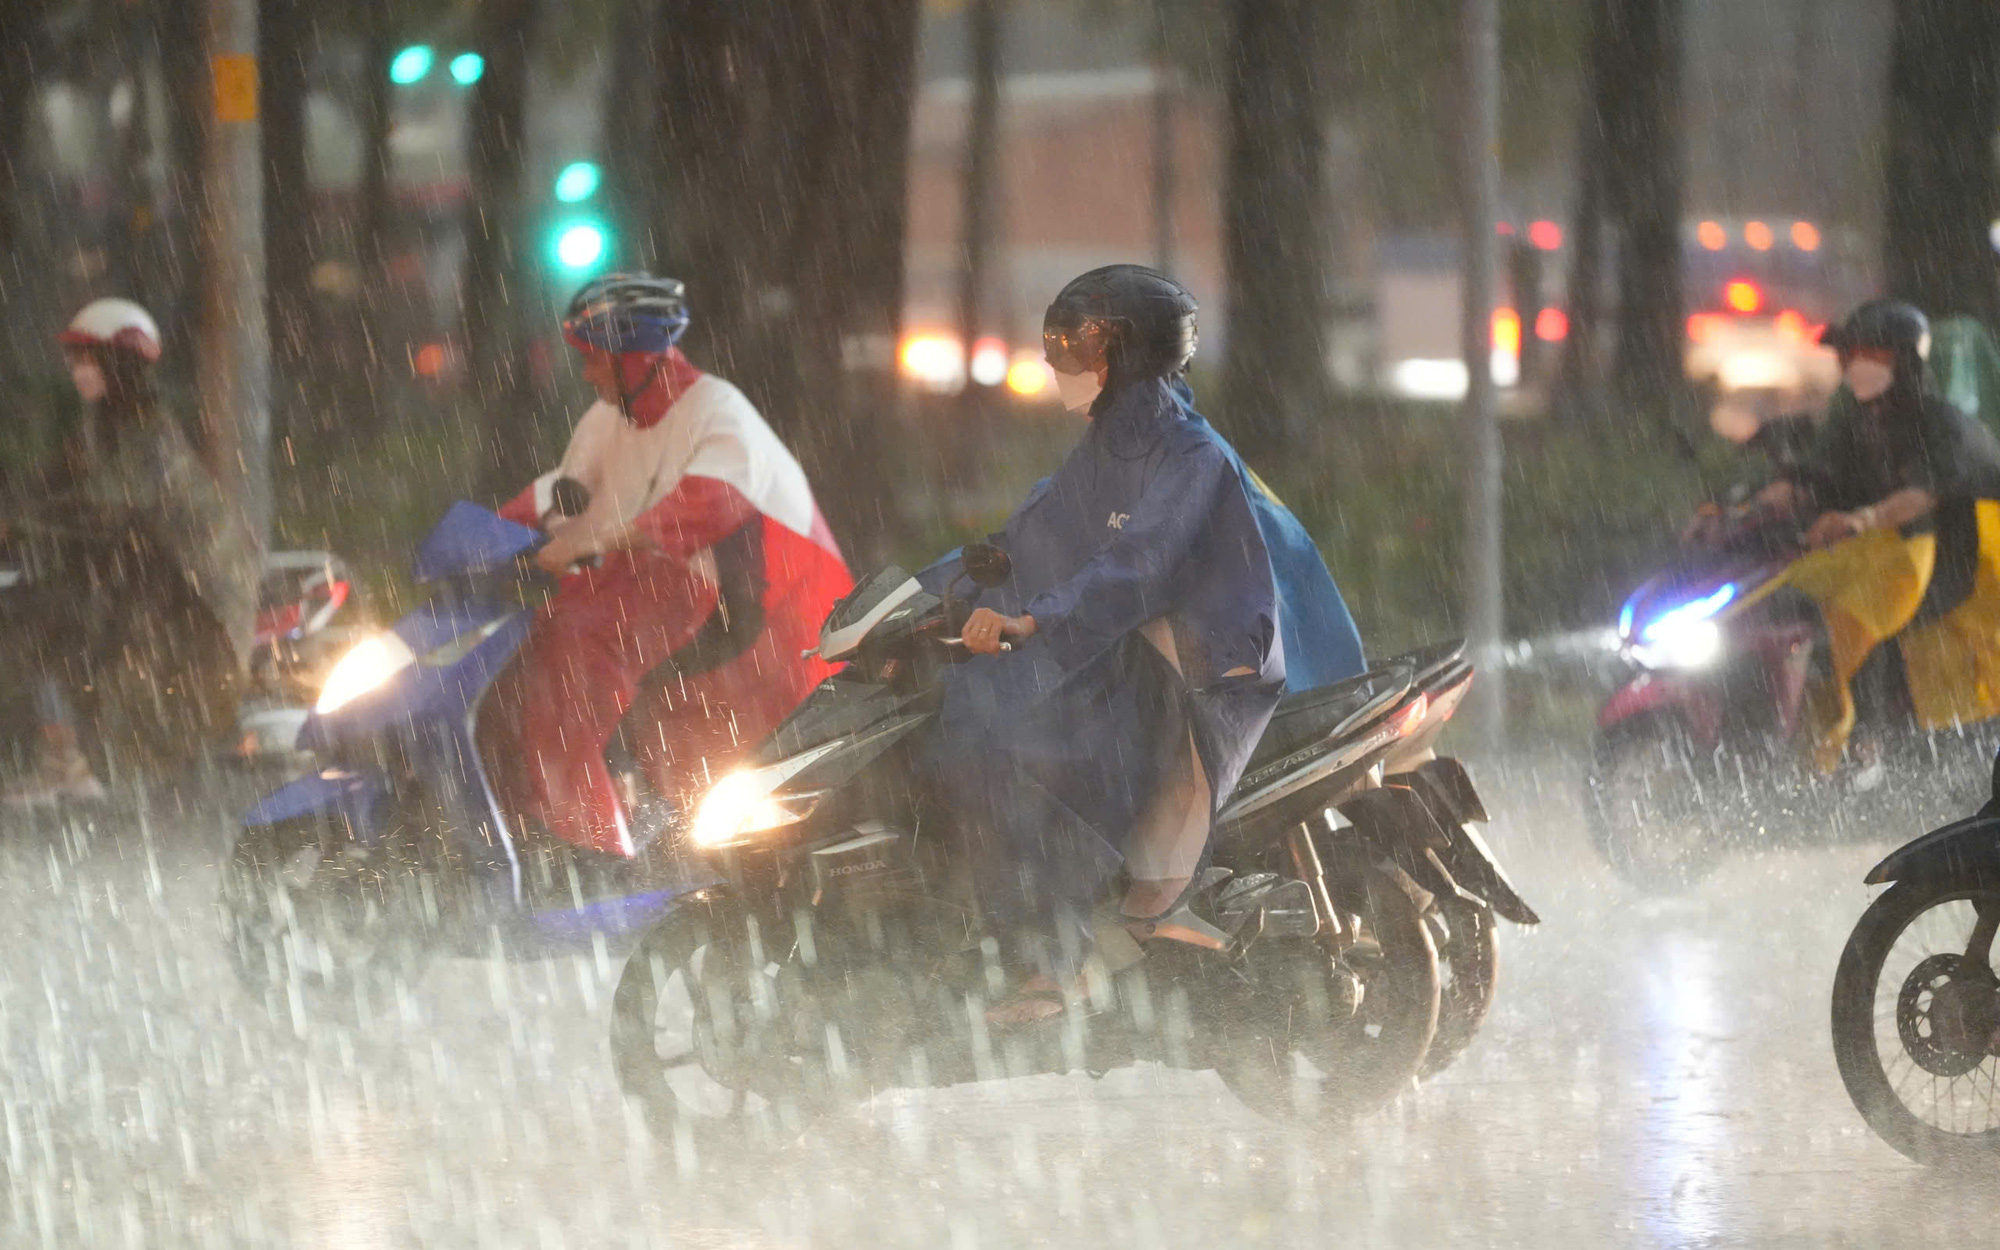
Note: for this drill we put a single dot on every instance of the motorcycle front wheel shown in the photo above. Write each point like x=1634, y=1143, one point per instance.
x=319, y=933
x=1300, y=1032
x=735, y=1027
x=1648, y=797
x=1916, y=1019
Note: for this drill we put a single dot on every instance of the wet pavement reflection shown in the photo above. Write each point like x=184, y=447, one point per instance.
x=1656, y=1073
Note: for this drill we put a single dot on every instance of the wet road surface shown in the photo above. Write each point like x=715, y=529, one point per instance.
x=1656, y=1073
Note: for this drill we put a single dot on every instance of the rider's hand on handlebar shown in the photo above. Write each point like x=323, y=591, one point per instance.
x=985, y=629
x=1705, y=528
x=1831, y=527
x=557, y=558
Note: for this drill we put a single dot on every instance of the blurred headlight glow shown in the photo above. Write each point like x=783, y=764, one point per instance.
x=368, y=665
x=739, y=805
x=1684, y=644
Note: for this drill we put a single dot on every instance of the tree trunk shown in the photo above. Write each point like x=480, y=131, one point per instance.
x=1275, y=243
x=788, y=138
x=1644, y=173
x=629, y=142
x=1942, y=187
x=1578, y=392
x=20, y=42
x=494, y=282
x=378, y=45
x=284, y=30
x=184, y=64
x=978, y=192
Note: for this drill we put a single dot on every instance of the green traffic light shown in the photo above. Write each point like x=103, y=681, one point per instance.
x=577, y=182
x=467, y=68
x=412, y=64
x=580, y=245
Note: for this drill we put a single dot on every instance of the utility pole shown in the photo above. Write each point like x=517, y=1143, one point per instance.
x=1480, y=557
x=233, y=350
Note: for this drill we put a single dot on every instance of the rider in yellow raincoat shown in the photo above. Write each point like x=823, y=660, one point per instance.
x=1904, y=492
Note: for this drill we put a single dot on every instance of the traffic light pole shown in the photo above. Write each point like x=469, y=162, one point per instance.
x=233, y=350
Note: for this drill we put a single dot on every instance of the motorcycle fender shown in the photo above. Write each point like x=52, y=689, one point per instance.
x=1647, y=692
x=1967, y=848
x=1394, y=824
x=1450, y=782
x=1465, y=855
x=350, y=796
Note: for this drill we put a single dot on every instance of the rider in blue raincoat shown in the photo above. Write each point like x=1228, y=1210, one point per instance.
x=1159, y=598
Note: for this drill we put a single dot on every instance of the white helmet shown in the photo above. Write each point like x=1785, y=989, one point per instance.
x=118, y=323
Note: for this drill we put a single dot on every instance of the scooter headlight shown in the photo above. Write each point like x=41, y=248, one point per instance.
x=368, y=666
x=742, y=804
x=1681, y=644
x=1682, y=637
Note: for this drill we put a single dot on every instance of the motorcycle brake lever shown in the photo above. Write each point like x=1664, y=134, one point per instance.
x=959, y=642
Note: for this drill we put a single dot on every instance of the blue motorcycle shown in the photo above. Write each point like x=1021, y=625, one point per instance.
x=345, y=882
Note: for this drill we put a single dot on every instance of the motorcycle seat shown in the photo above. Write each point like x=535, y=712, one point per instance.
x=1331, y=711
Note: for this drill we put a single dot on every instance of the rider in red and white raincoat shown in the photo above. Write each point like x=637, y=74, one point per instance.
x=692, y=583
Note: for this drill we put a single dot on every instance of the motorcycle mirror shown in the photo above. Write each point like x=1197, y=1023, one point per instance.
x=986, y=564
x=568, y=497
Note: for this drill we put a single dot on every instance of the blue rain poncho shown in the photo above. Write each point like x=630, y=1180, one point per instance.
x=1049, y=753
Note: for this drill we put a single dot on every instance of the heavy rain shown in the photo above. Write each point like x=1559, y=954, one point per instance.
x=989, y=623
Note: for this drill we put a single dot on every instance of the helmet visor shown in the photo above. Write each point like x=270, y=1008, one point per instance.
x=1072, y=341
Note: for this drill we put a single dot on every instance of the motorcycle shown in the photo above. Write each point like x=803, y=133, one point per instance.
x=1916, y=1002
x=298, y=634
x=161, y=688
x=840, y=950
x=344, y=882
x=1707, y=740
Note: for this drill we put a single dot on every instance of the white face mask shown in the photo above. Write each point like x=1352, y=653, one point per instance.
x=89, y=380
x=1078, y=390
x=1869, y=379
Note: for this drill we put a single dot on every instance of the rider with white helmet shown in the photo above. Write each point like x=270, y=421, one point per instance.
x=140, y=630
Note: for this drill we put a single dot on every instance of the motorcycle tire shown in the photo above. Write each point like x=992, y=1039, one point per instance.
x=1644, y=805
x=1282, y=1038
x=1469, y=968
x=319, y=935
x=698, y=1006
x=1856, y=1048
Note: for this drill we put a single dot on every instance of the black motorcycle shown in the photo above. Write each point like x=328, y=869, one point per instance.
x=1916, y=1002
x=840, y=950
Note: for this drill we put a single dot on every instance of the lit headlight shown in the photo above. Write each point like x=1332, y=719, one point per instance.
x=367, y=666
x=1682, y=637
x=1680, y=644
x=742, y=804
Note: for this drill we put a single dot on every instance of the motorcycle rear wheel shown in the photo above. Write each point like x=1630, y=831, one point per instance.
x=1469, y=965
x=1283, y=1038
x=1878, y=1064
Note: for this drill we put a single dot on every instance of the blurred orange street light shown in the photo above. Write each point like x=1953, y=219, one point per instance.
x=1792, y=324
x=1712, y=235
x=1758, y=235
x=1028, y=376
x=1805, y=236
x=1507, y=331
x=1552, y=325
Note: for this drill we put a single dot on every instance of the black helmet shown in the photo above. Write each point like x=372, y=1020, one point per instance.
x=627, y=312
x=1138, y=321
x=1885, y=325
